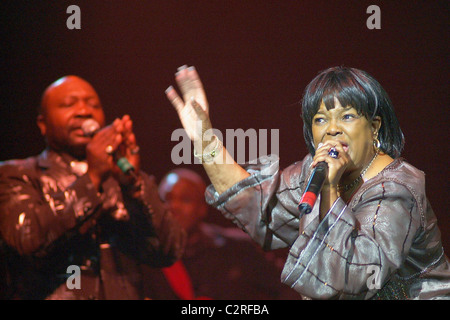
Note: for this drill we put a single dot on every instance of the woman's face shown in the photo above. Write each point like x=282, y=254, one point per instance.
x=352, y=130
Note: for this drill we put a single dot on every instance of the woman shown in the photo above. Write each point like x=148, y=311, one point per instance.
x=371, y=234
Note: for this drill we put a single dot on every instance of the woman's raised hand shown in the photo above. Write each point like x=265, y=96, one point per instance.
x=193, y=111
x=192, y=108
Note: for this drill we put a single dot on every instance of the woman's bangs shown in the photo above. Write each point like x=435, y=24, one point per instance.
x=347, y=94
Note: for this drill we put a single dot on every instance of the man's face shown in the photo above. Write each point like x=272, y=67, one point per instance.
x=186, y=202
x=66, y=105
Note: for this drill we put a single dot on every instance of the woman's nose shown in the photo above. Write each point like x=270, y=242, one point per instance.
x=333, y=128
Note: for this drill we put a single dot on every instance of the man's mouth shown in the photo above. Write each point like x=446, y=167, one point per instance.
x=77, y=131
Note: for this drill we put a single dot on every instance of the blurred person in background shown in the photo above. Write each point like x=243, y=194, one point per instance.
x=72, y=207
x=219, y=262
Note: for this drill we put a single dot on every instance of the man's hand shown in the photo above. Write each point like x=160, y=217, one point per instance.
x=107, y=146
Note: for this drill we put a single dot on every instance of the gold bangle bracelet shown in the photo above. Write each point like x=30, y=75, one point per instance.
x=209, y=156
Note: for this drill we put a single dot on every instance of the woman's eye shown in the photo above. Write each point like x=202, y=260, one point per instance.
x=349, y=116
x=319, y=120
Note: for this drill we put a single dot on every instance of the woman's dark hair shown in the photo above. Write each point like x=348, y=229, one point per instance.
x=355, y=88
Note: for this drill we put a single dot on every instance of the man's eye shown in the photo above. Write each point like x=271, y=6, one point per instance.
x=93, y=104
x=68, y=103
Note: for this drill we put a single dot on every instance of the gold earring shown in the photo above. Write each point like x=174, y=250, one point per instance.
x=376, y=144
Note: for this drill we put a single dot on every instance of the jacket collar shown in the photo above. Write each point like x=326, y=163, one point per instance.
x=50, y=159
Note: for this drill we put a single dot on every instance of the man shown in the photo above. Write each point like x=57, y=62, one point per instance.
x=219, y=263
x=72, y=209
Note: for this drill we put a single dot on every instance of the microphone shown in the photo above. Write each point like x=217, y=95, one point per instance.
x=313, y=188
x=90, y=128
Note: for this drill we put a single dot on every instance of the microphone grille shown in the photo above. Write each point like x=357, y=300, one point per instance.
x=90, y=127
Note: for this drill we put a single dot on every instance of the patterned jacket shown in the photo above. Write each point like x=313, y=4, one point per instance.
x=52, y=217
x=383, y=244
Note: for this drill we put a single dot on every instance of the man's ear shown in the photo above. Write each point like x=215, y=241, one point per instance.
x=41, y=124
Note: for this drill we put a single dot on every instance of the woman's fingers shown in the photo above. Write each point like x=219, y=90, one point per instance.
x=336, y=165
x=174, y=99
x=323, y=152
x=191, y=105
x=199, y=109
x=190, y=86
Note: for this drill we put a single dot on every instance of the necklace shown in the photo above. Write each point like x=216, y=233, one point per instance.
x=351, y=185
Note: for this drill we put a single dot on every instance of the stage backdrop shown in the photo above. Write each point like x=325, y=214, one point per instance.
x=254, y=57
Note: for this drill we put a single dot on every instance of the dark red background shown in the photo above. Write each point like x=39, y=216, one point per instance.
x=255, y=58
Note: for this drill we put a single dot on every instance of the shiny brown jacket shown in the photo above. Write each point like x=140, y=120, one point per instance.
x=51, y=217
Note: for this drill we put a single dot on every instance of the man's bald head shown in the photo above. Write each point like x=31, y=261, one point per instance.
x=65, y=105
x=62, y=86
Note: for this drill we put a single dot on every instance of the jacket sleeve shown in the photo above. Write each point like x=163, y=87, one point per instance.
x=151, y=234
x=352, y=252
x=38, y=215
x=265, y=204
x=33, y=217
